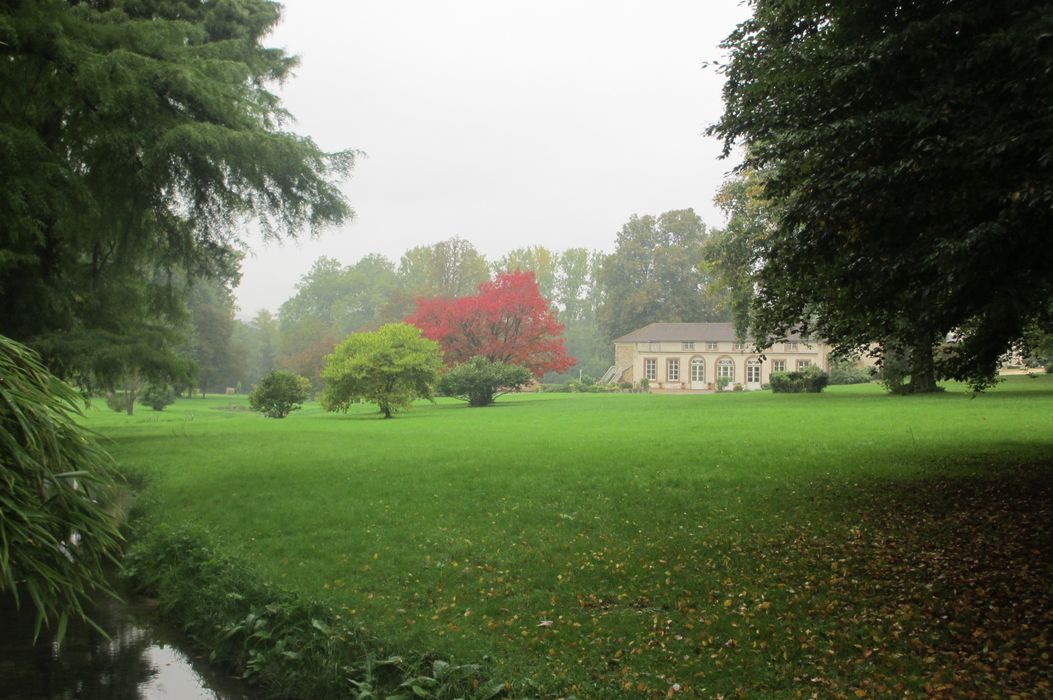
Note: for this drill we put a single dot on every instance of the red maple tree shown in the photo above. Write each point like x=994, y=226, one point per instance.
x=507, y=321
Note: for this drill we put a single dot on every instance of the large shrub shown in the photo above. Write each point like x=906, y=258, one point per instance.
x=781, y=383
x=57, y=528
x=479, y=380
x=157, y=396
x=279, y=393
x=810, y=380
x=848, y=373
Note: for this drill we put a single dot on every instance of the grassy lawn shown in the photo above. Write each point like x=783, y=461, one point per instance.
x=844, y=544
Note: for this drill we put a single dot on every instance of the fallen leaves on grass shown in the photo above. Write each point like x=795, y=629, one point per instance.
x=937, y=587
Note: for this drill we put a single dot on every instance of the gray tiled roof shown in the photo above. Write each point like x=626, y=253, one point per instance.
x=683, y=332
x=689, y=333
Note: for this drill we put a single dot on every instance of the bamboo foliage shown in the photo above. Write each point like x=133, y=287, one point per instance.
x=57, y=527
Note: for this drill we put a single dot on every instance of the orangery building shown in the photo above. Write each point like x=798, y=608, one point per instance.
x=694, y=356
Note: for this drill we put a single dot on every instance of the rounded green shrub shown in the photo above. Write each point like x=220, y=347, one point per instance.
x=479, y=380
x=279, y=393
x=810, y=380
x=157, y=396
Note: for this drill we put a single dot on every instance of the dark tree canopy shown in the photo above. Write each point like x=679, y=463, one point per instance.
x=907, y=147
x=134, y=136
x=731, y=255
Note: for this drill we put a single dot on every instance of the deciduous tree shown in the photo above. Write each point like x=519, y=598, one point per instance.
x=342, y=298
x=537, y=259
x=391, y=367
x=732, y=255
x=655, y=274
x=506, y=321
x=304, y=347
x=446, y=269
x=907, y=147
x=258, y=339
x=211, y=325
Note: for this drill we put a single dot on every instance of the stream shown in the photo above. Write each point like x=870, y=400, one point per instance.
x=141, y=659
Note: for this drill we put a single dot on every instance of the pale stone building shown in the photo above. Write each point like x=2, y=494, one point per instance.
x=691, y=356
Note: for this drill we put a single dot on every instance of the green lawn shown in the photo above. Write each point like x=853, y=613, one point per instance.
x=848, y=543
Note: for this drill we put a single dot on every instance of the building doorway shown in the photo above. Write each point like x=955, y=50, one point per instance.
x=753, y=374
x=698, y=373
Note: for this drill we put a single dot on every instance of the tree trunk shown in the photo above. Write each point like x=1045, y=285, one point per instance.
x=922, y=366
x=129, y=402
x=480, y=399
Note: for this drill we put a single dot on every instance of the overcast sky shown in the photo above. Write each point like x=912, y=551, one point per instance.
x=505, y=123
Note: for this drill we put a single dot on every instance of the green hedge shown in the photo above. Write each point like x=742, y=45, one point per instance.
x=811, y=380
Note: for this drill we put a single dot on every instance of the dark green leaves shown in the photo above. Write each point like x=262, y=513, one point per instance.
x=136, y=139
x=57, y=525
x=902, y=144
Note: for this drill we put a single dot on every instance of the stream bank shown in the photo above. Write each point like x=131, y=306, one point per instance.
x=142, y=659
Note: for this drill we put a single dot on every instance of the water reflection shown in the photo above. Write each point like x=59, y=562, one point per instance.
x=140, y=660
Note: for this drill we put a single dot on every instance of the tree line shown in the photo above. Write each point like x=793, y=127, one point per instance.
x=661, y=270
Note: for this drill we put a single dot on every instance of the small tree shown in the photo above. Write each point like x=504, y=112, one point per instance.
x=279, y=393
x=479, y=381
x=121, y=397
x=157, y=396
x=390, y=367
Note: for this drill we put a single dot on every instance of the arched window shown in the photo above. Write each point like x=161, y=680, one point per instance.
x=725, y=368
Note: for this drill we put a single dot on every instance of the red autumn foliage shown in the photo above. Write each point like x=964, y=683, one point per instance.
x=507, y=321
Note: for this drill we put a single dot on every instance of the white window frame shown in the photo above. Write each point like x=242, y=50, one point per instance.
x=791, y=347
x=778, y=365
x=801, y=364
x=712, y=345
x=751, y=366
x=726, y=368
x=650, y=368
x=688, y=346
x=698, y=362
x=672, y=369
